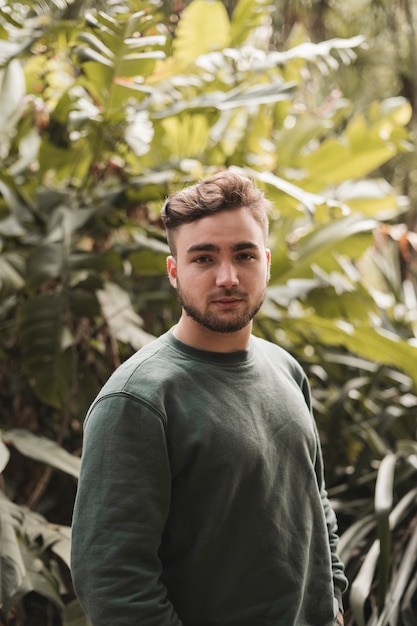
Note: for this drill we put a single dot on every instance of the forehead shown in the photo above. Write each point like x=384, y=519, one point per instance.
x=223, y=229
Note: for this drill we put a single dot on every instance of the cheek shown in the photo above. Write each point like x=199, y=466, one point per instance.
x=195, y=282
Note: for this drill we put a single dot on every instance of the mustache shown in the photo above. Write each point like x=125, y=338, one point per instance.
x=228, y=293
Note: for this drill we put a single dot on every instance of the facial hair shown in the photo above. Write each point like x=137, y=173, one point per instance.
x=215, y=322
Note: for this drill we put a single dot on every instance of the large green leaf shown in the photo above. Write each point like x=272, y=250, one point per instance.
x=62, y=161
x=186, y=135
x=43, y=450
x=371, y=198
x=26, y=552
x=384, y=503
x=204, y=27
x=11, y=273
x=246, y=16
x=125, y=323
x=361, y=150
x=113, y=54
x=245, y=95
x=12, y=91
x=4, y=456
x=398, y=600
x=363, y=581
x=46, y=340
x=45, y=263
x=362, y=584
x=13, y=579
x=148, y=257
x=363, y=341
x=331, y=297
x=305, y=200
x=322, y=247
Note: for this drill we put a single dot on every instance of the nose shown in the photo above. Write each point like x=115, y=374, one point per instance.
x=227, y=275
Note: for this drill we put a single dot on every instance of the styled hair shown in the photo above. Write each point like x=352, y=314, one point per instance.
x=222, y=192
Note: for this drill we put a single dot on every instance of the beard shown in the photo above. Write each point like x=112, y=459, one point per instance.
x=215, y=322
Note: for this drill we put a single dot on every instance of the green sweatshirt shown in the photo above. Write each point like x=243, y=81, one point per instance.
x=201, y=500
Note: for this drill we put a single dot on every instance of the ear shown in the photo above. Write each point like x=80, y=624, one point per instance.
x=268, y=261
x=172, y=271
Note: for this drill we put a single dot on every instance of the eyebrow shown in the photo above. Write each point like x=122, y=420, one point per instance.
x=211, y=247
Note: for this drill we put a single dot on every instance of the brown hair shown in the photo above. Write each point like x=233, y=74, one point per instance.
x=222, y=192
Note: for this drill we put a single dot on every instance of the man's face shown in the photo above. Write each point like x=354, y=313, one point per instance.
x=221, y=269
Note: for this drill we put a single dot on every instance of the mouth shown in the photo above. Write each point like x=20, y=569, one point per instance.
x=227, y=303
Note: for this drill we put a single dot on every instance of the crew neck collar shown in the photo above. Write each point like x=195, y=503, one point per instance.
x=224, y=358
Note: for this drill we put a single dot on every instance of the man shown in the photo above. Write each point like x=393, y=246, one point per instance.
x=201, y=499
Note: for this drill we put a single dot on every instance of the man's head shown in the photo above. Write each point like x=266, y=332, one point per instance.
x=222, y=192
x=217, y=231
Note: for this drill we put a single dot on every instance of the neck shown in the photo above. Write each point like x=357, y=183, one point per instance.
x=193, y=334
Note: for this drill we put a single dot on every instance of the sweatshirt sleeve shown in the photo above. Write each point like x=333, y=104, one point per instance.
x=340, y=582
x=339, y=578
x=120, y=512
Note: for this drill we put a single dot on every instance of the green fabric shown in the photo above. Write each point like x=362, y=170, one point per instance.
x=201, y=500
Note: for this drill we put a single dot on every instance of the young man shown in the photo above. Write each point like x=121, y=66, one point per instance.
x=201, y=499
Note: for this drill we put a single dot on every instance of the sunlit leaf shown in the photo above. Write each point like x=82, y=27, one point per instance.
x=11, y=272
x=12, y=91
x=146, y=262
x=204, y=27
x=364, y=341
x=96, y=44
x=187, y=134
x=350, y=236
x=43, y=450
x=124, y=322
x=4, y=456
x=384, y=501
x=247, y=15
x=139, y=64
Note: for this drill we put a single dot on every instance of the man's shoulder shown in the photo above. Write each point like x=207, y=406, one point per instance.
x=152, y=360
x=277, y=355
x=268, y=347
x=142, y=378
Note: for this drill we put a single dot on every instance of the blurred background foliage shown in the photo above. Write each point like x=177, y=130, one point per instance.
x=107, y=107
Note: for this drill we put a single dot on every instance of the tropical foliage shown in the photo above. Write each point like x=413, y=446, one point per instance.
x=104, y=110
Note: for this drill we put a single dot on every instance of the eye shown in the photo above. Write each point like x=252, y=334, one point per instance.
x=245, y=256
x=201, y=260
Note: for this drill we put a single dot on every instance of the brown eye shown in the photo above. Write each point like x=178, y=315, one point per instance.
x=245, y=256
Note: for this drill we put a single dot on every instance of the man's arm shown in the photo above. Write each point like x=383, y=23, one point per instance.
x=120, y=512
x=339, y=579
x=340, y=582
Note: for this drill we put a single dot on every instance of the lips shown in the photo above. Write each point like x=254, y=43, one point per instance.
x=227, y=303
